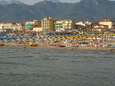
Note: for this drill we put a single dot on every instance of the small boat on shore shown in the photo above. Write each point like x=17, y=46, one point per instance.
x=2, y=44
x=34, y=45
x=112, y=50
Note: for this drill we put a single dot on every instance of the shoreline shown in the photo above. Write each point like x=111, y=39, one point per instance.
x=62, y=48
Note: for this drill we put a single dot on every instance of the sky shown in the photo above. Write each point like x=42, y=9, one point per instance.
x=34, y=1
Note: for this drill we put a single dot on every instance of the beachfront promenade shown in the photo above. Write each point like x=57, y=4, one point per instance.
x=54, y=39
x=51, y=33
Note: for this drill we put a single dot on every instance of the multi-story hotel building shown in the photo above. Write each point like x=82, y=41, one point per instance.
x=47, y=24
x=63, y=25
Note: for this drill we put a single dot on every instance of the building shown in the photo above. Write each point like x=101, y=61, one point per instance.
x=37, y=27
x=10, y=26
x=106, y=22
x=17, y=26
x=59, y=26
x=29, y=25
x=63, y=25
x=47, y=24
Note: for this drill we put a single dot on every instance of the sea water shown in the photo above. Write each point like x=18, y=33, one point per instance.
x=56, y=67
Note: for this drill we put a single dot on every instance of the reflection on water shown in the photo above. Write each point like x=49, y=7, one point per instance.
x=55, y=67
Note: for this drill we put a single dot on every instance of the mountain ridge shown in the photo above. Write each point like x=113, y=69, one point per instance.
x=85, y=9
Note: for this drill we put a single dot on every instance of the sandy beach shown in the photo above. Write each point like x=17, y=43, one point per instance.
x=62, y=49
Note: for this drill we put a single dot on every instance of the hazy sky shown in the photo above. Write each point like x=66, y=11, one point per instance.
x=33, y=1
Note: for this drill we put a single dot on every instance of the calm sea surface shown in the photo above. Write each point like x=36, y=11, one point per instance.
x=56, y=67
